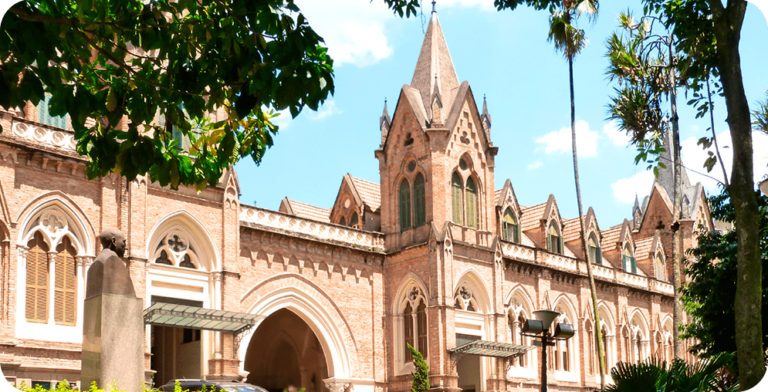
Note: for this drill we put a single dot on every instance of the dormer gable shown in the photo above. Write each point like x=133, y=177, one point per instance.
x=508, y=214
x=357, y=204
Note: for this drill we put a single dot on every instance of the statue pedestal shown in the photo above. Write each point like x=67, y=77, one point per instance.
x=113, y=342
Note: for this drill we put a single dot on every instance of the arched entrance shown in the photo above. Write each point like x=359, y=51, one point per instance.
x=284, y=351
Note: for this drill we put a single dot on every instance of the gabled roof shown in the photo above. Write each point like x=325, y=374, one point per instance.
x=573, y=228
x=434, y=69
x=550, y=208
x=506, y=192
x=532, y=216
x=656, y=191
x=643, y=248
x=369, y=192
x=306, y=211
x=611, y=237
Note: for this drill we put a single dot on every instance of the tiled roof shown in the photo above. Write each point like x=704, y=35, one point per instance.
x=497, y=195
x=571, y=229
x=308, y=211
x=531, y=216
x=611, y=237
x=369, y=192
x=643, y=247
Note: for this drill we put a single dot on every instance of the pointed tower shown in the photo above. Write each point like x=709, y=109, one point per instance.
x=436, y=159
x=384, y=123
x=637, y=214
x=486, y=118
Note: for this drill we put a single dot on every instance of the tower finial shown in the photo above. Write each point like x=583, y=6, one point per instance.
x=433, y=6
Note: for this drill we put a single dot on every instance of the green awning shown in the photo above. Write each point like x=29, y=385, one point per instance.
x=490, y=349
x=193, y=317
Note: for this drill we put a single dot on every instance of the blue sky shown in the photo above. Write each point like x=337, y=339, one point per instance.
x=505, y=56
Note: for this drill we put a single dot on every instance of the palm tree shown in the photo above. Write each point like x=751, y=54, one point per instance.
x=571, y=41
x=678, y=376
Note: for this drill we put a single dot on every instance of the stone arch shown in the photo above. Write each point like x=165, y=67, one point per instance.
x=606, y=318
x=637, y=321
x=478, y=290
x=525, y=302
x=407, y=284
x=564, y=305
x=184, y=225
x=316, y=308
x=56, y=218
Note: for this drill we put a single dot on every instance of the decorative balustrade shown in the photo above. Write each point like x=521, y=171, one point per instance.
x=319, y=230
x=517, y=251
x=601, y=271
x=560, y=261
x=469, y=235
x=664, y=287
x=633, y=279
x=61, y=139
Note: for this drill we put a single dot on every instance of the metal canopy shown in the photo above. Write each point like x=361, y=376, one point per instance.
x=490, y=349
x=193, y=317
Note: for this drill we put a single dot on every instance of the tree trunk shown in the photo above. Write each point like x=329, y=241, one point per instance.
x=714, y=135
x=677, y=314
x=598, y=332
x=747, y=307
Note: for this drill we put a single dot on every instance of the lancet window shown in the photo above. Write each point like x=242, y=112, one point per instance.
x=175, y=250
x=628, y=262
x=554, y=239
x=464, y=299
x=595, y=254
x=414, y=327
x=51, y=268
x=510, y=230
x=412, y=203
x=661, y=270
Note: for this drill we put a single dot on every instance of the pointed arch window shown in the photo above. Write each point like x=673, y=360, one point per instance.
x=44, y=116
x=510, y=230
x=37, y=280
x=628, y=262
x=595, y=254
x=163, y=258
x=421, y=323
x=408, y=331
x=591, y=348
x=65, y=294
x=523, y=359
x=457, y=196
x=554, y=240
x=604, y=335
x=419, y=213
x=405, y=205
x=343, y=221
x=471, y=203
x=186, y=262
x=660, y=268
x=355, y=220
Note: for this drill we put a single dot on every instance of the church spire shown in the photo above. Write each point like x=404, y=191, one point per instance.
x=435, y=67
x=384, y=123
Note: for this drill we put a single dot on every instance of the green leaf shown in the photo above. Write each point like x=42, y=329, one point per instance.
x=111, y=100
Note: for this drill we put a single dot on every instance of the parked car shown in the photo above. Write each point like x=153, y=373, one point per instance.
x=213, y=386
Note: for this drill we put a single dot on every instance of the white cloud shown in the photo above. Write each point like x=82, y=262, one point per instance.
x=560, y=141
x=534, y=165
x=485, y=5
x=283, y=120
x=694, y=157
x=328, y=109
x=619, y=138
x=625, y=189
x=353, y=30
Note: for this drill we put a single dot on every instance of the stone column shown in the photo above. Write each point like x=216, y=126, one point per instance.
x=51, y=286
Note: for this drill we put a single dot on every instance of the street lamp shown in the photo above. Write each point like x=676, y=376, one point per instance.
x=539, y=329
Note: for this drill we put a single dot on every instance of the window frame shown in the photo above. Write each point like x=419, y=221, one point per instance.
x=404, y=198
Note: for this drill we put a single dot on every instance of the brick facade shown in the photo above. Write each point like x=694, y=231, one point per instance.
x=350, y=285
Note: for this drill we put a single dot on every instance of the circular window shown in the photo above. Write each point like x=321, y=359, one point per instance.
x=411, y=166
x=463, y=164
x=347, y=203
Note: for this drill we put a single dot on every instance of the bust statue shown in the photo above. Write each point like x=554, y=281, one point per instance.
x=108, y=274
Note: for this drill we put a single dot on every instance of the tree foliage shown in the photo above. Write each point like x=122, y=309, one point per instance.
x=420, y=381
x=140, y=60
x=651, y=375
x=760, y=115
x=714, y=264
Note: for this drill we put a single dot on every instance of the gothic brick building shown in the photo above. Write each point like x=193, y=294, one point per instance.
x=433, y=256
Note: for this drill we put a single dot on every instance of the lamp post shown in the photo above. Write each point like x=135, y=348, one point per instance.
x=539, y=329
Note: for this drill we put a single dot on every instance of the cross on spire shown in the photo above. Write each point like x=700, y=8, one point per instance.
x=433, y=6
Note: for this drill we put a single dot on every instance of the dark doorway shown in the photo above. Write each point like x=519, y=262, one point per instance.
x=284, y=351
x=176, y=352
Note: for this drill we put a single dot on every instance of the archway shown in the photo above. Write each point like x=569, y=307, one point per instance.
x=284, y=351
